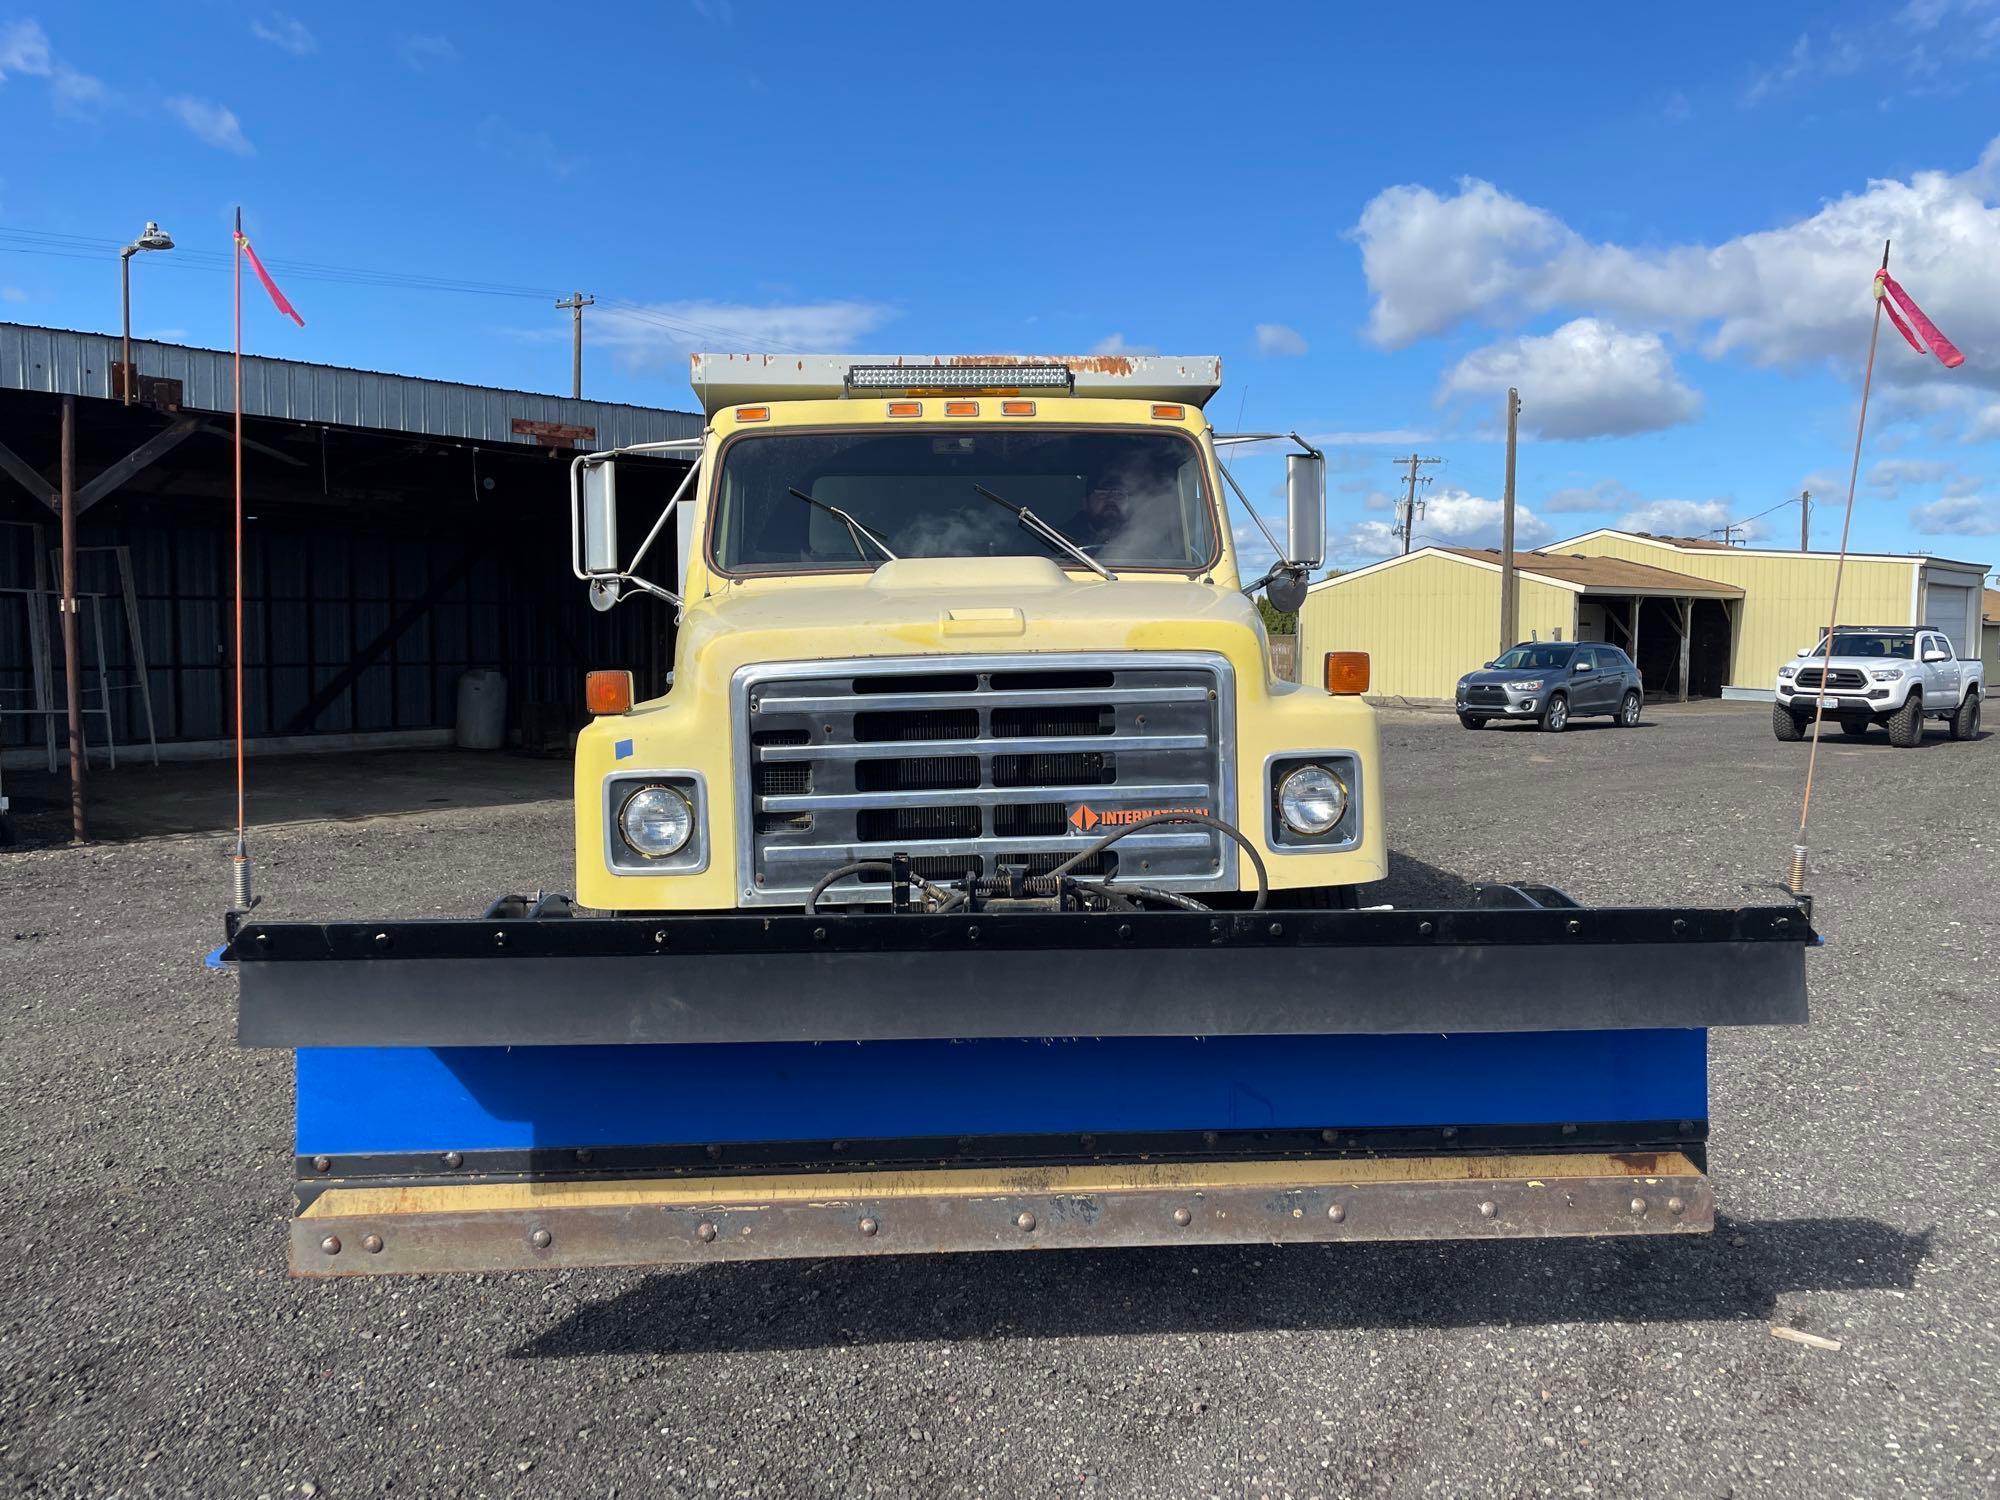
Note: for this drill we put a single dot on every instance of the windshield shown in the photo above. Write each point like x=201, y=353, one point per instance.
x=1870, y=643
x=1128, y=499
x=1535, y=658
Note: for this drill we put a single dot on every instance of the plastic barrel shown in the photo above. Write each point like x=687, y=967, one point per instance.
x=482, y=710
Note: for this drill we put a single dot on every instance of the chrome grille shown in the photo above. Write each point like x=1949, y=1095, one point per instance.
x=982, y=762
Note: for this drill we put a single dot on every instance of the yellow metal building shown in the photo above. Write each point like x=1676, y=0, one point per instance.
x=1701, y=618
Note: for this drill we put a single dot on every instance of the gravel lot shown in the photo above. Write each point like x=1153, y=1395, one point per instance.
x=150, y=1341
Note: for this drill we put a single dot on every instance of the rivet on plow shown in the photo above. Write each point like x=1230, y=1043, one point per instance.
x=1183, y=1218
x=1337, y=1212
x=869, y=1226
x=541, y=1239
x=1637, y=1205
x=1488, y=1209
x=1575, y=927
x=1025, y=1222
x=1676, y=1206
x=322, y=1164
x=454, y=1159
x=330, y=1245
x=706, y=1233
x=372, y=1243
x=1425, y=929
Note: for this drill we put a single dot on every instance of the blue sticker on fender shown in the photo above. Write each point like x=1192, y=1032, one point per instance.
x=622, y=750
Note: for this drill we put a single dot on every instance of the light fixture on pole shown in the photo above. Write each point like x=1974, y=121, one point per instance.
x=154, y=238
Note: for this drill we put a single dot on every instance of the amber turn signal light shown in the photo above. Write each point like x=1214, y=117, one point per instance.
x=1347, y=672
x=608, y=692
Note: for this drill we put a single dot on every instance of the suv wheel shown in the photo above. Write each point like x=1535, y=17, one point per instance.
x=1628, y=711
x=1555, y=718
x=1786, y=725
x=1906, y=724
x=1965, y=723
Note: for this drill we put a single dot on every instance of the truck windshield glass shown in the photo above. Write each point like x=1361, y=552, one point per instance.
x=1535, y=658
x=1129, y=499
x=1870, y=643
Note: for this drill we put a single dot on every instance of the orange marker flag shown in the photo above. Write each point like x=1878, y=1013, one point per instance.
x=278, y=298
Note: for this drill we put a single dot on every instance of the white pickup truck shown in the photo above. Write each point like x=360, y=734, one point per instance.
x=1897, y=675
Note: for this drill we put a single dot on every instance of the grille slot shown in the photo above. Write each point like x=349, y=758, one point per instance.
x=839, y=766
x=1840, y=677
x=902, y=725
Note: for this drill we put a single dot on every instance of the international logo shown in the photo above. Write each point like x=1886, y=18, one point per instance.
x=1083, y=818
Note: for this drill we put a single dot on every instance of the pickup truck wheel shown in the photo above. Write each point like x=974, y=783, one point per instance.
x=1628, y=711
x=1965, y=723
x=1854, y=729
x=1906, y=724
x=1786, y=725
x=1471, y=721
x=1317, y=898
x=1555, y=718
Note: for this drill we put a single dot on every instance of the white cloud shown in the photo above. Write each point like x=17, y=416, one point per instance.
x=1783, y=297
x=426, y=50
x=12, y=294
x=1278, y=340
x=1891, y=474
x=1452, y=518
x=1690, y=518
x=211, y=123
x=24, y=49
x=1587, y=379
x=288, y=33
x=1968, y=515
x=1116, y=344
x=656, y=334
x=1605, y=495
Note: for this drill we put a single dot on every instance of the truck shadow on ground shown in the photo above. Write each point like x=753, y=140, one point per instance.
x=1735, y=1275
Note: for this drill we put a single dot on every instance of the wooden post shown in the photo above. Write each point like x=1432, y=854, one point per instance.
x=1687, y=630
x=1509, y=622
x=72, y=650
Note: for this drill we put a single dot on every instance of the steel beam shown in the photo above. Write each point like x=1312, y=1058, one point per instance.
x=12, y=463
x=133, y=463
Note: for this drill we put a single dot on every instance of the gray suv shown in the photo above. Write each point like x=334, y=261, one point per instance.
x=1552, y=682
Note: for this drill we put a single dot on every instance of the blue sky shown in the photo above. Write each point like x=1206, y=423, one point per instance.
x=1660, y=225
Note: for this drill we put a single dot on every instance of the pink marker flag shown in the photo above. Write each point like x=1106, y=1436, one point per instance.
x=283, y=303
x=1899, y=304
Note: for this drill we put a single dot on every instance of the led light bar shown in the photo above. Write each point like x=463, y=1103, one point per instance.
x=959, y=377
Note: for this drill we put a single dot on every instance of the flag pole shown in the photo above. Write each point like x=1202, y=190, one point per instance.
x=1797, y=881
x=241, y=900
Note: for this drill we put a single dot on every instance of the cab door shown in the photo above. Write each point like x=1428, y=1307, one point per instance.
x=1940, y=677
x=1589, y=683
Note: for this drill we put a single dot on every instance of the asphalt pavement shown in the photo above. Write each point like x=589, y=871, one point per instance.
x=151, y=1343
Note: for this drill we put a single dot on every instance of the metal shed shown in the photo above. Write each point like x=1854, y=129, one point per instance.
x=1433, y=614
x=400, y=531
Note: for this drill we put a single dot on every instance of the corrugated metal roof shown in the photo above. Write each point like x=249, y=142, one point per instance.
x=1611, y=575
x=61, y=362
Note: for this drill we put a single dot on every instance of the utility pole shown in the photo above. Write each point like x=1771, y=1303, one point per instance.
x=1805, y=520
x=576, y=302
x=1509, y=623
x=1727, y=532
x=1409, y=509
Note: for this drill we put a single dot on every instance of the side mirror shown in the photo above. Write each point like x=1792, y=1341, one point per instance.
x=1582, y=666
x=1933, y=654
x=1805, y=653
x=1286, y=589
x=600, y=517
x=1305, y=494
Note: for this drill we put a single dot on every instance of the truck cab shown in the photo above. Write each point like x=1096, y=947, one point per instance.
x=979, y=615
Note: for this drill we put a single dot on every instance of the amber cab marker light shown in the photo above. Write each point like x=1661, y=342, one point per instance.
x=1347, y=672
x=906, y=408
x=753, y=413
x=608, y=692
x=1169, y=413
x=961, y=408
x=1017, y=408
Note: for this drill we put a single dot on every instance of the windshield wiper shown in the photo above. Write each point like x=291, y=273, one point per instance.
x=856, y=529
x=1032, y=522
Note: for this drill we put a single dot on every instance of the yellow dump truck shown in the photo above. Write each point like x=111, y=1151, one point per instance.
x=978, y=884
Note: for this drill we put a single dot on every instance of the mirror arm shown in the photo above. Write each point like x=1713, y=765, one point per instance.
x=1250, y=509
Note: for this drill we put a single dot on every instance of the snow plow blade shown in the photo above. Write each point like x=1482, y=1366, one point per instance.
x=505, y=1093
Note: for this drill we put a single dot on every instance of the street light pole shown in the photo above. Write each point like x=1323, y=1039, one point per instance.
x=154, y=238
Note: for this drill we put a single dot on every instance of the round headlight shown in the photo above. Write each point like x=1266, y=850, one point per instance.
x=656, y=821
x=1312, y=801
